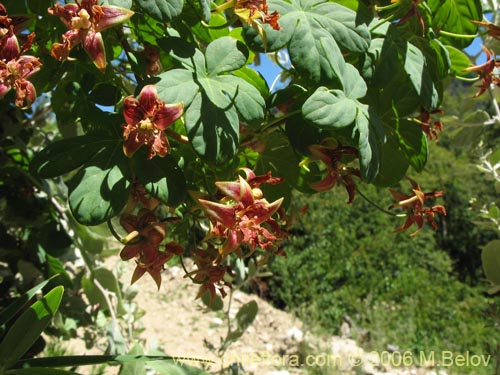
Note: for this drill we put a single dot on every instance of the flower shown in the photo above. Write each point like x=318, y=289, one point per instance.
x=209, y=273
x=243, y=216
x=414, y=205
x=15, y=74
x=428, y=127
x=146, y=118
x=486, y=72
x=412, y=12
x=143, y=243
x=16, y=68
x=493, y=30
x=331, y=154
x=85, y=20
x=249, y=11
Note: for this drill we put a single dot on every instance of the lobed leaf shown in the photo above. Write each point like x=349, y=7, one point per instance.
x=100, y=189
x=66, y=155
x=162, y=10
x=163, y=178
x=314, y=31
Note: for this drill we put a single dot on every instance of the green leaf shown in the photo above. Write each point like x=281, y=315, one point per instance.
x=39, y=371
x=105, y=94
x=213, y=132
x=127, y=4
x=100, y=189
x=281, y=160
x=491, y=261
x=413, y=143
x=244, y=318
x=329, y=108
x=26, y=329
x=134, y=368
x=177, y=85
x=393, y=164
x=254, y=78
x=454, y=16
x=313, y=31
x=402, y=76
x=224, y=55
x=206, y=12
x=168, y=368
x=86, y=360
x=494, y=212
x=162, y=10
x=163, y=178
x=354, y=85
x=214, y=304
x=55, y=267
x=495, y=157
x=10, y=311
x=370, y=137
x=63, y=156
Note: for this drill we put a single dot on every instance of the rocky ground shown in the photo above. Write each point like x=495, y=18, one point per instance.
x=276, y=343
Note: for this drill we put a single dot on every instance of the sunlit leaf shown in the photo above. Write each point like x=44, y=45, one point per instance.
x=28, y=327
x=100, y=189
x=162, y=10
x=314, y=31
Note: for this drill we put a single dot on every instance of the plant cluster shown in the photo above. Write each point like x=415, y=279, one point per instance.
x=364, y=80
x=151, y=116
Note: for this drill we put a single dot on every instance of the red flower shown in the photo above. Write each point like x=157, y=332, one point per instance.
x=147, y=117
x=85, y=20
x=209, y=273
x=251, y=10
x=493, y=30
x=428, y=127
x=412, y=12
x=143, y=243
x=15, y=74
x=414, y=205
x=243, y=216
x=15, y=69
x=486, y=72
x=332, y=154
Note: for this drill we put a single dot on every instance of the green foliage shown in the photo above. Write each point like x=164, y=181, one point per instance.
x=397, y=291
x=362, y=76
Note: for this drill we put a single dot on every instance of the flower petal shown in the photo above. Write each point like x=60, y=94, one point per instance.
x=148, y=99
x=271, y=210
x=133, y=139
x=230, y=188
x=138, y=273
x=10, y=49
x=94, y=45
x=158, y=145
x=130, y=251
x=219, y=212
x=25, y=93
x=132, y=111
x=167, y=114
x=111, y=16
x=4, y=89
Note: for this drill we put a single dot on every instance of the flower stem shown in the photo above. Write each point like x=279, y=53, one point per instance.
x=115, y=233
x=279, y=120
x=387, y=7
x=374, y=204
x=467, y=79
x=384, y=20
x=178, y=137
x=460, y=36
